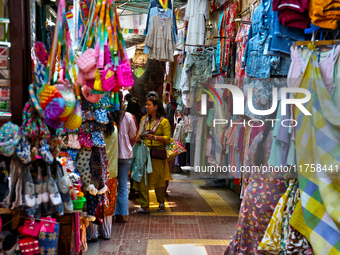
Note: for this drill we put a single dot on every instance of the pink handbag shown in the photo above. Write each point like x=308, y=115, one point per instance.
x=80, y=78
x=87, y=60
x=108, y=78
x=90, y=75
x=124, y=75
x=92, y=98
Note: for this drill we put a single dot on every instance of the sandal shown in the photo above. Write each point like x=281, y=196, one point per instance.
x=161, y=208
x=142, y=210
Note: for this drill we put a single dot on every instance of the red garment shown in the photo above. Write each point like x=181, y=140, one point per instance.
x=291, y=18
x=29, y=246
x=230, y=30
x=295, y=5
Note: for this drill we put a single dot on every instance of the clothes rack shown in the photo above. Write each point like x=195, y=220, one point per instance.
x=217, y=37
x=243, y=21
x=197, y=45
x=317, y=43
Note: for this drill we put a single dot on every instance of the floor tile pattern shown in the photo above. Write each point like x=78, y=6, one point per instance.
x=184, y=228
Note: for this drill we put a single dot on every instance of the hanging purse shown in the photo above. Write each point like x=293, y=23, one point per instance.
x=52, y=102
x=124, y=72
x=69, y=97
x=98, y=81
x=87, y=60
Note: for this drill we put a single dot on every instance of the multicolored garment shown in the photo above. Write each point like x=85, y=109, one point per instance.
x=241, y=43
x=260, y=199
x=271, y=240
x=110, y=208
x=230, y=31
x=318, y=142
x=286, y=228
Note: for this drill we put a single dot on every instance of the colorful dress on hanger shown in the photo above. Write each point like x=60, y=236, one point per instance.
x=230, y=31
x=260, y=198
x=241, y=43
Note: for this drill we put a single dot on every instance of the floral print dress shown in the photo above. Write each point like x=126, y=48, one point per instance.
x=241, y=43
x=260, y=198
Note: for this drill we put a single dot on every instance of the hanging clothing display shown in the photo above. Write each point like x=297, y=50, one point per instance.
x=241, y=43
x=258, y=62
x=197, y=11
x=228, y=30
x=157, y=7
x=160, y=39
x=321, y=134
x=201, y=62
x=257, y=206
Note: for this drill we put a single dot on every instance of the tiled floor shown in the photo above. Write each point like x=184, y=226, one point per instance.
x=197, y=220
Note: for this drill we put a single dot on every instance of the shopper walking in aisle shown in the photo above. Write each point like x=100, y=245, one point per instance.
x=155, y=131
x=127, y=131
x=170, y=114
x=134, y=108
x=260, y=197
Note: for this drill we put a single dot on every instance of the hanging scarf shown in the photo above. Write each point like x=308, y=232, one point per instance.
x=164, y=4
x=143, y=131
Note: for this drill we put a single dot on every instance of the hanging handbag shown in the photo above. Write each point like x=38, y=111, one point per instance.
x=87, y=60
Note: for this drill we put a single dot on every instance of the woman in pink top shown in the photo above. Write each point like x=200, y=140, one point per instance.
x=127, y=131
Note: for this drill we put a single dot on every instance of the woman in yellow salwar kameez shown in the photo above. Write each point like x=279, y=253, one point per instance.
x=155, y=131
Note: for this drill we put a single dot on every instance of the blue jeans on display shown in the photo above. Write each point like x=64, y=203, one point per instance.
x=122, y=206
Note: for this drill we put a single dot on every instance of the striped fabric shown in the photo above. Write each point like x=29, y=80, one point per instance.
x=318, y=142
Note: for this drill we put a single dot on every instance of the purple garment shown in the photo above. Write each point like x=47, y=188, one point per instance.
x=240, y=139
x=255, y=131
x=260, y=198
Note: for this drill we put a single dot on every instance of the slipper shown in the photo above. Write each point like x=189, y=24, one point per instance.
x=142, y=210
x=161, y=208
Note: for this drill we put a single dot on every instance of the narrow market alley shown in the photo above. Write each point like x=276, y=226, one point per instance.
x=198, y=220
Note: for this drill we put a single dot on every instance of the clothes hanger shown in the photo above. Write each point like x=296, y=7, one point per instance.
x=162, y=16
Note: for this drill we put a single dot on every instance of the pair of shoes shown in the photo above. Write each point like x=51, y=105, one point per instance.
x=142, y=210
x=121, y=218
x=94, y=240
x=161, y=208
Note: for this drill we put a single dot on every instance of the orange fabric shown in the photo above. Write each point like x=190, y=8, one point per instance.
x=322, y=16
x=110, y=208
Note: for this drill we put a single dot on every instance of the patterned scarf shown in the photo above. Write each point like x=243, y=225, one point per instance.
x=143, y=131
